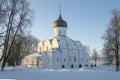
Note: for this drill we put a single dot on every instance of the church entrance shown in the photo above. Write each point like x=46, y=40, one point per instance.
x=38, y=61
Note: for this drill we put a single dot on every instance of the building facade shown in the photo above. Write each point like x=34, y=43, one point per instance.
x=61, y=51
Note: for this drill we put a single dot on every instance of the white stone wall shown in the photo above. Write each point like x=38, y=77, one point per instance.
x=57, y=60
x=60, y=31
x=73, y=57
x=64, y=58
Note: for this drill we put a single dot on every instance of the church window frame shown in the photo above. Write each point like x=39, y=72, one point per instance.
x=81, y=59
x=57, y=59
x=69, y=58
x=74, y=58
x=59, y=32
x=64, y=60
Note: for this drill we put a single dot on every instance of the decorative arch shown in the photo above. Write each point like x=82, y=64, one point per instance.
x=70, y=42
x=66, y=42
x=62, y=43
x=78, y=44
x=40, y=47
x=54, y=43
x=47, y=45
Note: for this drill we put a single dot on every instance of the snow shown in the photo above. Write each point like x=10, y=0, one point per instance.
x=34, y=73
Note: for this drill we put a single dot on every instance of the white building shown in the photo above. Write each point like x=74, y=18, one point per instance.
x=32, y=60
x=61, y=51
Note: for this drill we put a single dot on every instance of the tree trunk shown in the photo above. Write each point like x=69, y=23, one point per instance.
x=117, y=61
x=3, y=65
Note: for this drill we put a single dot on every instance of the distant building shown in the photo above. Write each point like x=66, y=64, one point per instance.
x=62, y=51
x=101, y=60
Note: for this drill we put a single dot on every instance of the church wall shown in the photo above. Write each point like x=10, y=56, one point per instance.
x=84, y=58
x=73, y=58
x=64, y=58
x=57, y=60
x=50, y=59
x=45, y=60
x=60, y=31
x=80, y=54
x=67, y=56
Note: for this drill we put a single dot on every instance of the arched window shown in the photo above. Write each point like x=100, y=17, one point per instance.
x=81, y=60
x=74, y=58
x=69, y=58
x=57, y=59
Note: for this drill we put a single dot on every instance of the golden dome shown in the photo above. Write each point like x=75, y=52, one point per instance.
x=60, y=22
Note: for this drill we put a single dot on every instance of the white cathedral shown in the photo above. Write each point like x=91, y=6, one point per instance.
x=62, y=51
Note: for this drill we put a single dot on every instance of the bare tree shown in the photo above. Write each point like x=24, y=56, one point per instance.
x=3, y=14
x=28, y=45
x=95, y=56
x=18, y=18
x=23, y=46
x=109, y=55
x=87, y=49
x=112, y=35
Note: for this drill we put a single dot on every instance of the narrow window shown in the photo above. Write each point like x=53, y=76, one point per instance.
x=47, y=48
x=60, y=32
x=81, y=60
x=64, y=60
x=69, y=58
x=74, y=59
x=57, y=59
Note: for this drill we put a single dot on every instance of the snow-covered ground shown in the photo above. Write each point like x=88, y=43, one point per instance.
x=96, y=73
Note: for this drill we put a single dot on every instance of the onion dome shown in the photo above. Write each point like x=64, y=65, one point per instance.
x=60, y=22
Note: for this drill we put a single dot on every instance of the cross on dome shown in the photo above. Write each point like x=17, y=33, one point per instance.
x=60, y=22
x=60, y=8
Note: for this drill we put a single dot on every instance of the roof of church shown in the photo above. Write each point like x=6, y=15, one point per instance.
x=60, y=22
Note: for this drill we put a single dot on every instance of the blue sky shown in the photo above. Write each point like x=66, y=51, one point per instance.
x=87, y=19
